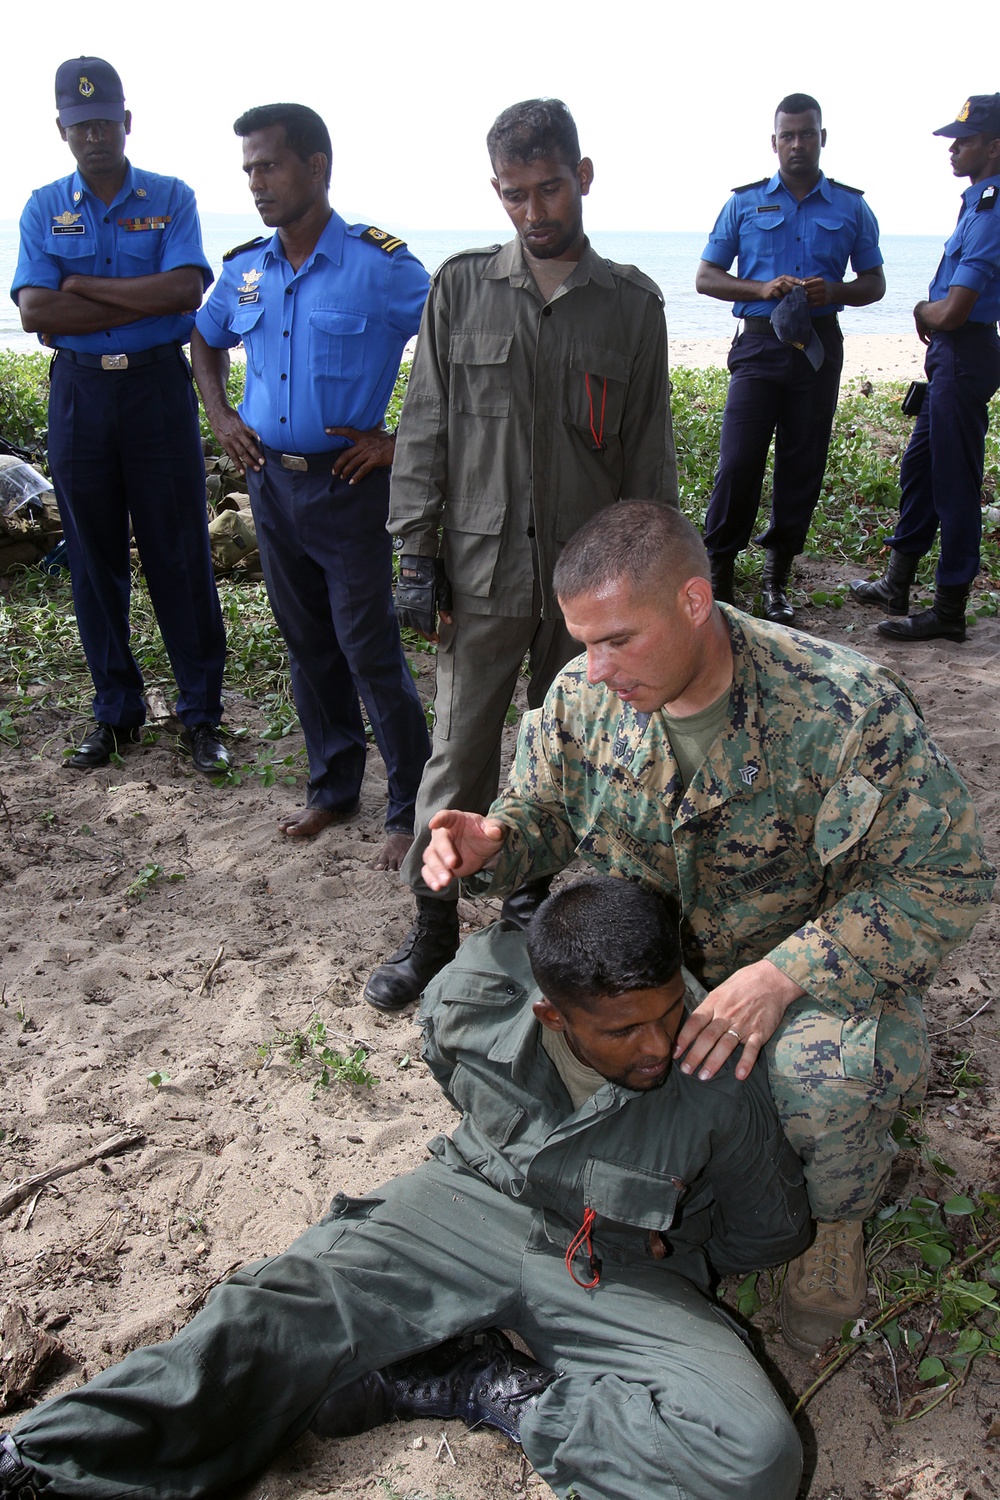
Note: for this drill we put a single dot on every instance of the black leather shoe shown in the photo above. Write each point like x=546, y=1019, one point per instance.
x=16, y=1480
x=774, y=586
x=723, y=569
x=103, y=741
x=431, y=943
x=480, y=1379
x=208, y=753
x=520, y=906
x=891, y=592
x=944, y=621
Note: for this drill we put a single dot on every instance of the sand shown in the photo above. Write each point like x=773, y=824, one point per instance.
x=866, y=356
x=253, y=936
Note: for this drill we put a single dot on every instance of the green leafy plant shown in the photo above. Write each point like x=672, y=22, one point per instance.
x=157, y=1078
x=311, y=1046
x=145, y=882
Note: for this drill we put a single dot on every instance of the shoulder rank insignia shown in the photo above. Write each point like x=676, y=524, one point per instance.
x=260, y=239
x=384, y=241
x=846, y=186
x=745, y=187
x=66, y=223
x=987, y=199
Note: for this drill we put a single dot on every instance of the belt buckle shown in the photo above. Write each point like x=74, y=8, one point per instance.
x=114, y=361
x=294, y=461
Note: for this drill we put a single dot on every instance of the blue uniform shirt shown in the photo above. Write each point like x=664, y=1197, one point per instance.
x=775, y=234
x=323, y=343
x=972, y=254
x=151, y=226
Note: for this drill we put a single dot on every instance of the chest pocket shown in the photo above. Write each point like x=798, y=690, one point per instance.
x=631, y=1195
x=139, y=251
x=615, y=850
x=953, y=245
x=494, y=1116
x=596, y=383
x=80, y=250
x=764, y=903
x=336, y=343
x=248, y=323
x=480, y=372
x=764, y=227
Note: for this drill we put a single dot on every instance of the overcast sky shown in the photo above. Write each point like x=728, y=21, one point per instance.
x=674, y=109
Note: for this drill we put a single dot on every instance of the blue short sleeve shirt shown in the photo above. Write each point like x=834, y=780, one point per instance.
x=772, y=233
x=972, y=253
x=323, y=343
x=151, y=226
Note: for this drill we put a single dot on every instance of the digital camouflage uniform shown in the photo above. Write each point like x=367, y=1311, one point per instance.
x=657, y=1395
x=824, y=831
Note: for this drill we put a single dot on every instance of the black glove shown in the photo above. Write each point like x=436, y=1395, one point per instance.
x=423, y=589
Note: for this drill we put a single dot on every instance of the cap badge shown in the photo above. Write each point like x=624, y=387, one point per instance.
x=749, y=773
x=86, y=87
x=963, y=113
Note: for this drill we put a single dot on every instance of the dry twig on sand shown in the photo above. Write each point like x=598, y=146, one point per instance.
x=21, y=1190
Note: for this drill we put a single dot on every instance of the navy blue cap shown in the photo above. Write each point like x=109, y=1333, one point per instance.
x=88, y=88
x=793, y=325
x=979, y=115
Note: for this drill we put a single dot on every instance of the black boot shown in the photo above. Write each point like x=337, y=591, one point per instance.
x=479, y=1378
x=945, y=620
x=891, y=592
x=16, y=1480
x=723, y=566
x=431, y=943
x=774, y=586
x=520, y=906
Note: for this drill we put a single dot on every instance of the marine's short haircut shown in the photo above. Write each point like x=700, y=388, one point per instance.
x=601, y=937
x=532, y=129
x=305, y=131
x=798, y=104
x=641, y=542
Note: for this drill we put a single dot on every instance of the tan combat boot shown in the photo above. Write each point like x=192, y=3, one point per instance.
x=824, y=1286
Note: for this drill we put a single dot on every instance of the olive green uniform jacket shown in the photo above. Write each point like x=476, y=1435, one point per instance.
x=522, y=419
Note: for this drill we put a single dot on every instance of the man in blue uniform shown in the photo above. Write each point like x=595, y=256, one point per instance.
x=942, y=469
x=110, y=271
x=795, y=229
x=323, y=310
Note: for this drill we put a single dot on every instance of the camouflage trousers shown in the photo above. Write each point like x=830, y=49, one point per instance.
x=838, y=1083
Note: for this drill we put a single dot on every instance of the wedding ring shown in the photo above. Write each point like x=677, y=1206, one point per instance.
x=736, y=1034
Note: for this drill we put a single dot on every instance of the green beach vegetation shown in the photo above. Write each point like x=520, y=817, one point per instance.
x=42, y=661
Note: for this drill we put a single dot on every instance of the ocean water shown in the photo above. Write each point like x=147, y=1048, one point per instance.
x=669, y=258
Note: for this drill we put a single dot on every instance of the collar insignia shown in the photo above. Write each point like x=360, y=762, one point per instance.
x=140, y=192
x=749, y=773
x=77, y=196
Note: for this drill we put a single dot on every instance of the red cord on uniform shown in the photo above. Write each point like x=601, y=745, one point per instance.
x=582, y=1241
x=598, y=436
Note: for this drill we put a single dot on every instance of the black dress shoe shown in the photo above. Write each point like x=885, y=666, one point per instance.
x=103, y=741
x=431, y=943
x=480, y=1379
x=208, y=753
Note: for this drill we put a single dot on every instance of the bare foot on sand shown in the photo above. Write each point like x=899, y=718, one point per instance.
x=393, y=851
x=306, y=822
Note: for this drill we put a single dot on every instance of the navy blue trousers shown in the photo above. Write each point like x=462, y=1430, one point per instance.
x=773, y=392
x=942, y=470
x=327, y=562
x=125, y=443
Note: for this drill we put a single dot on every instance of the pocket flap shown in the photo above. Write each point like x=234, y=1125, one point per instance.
x=845, y=816
x=477, y=348
x=245, y=318
x=481, y=516
x=631, y=1195
x=328, y=320
x=606, y=364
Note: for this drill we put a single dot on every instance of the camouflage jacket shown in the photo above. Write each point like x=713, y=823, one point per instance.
x=665, y=1172
x=824, y=830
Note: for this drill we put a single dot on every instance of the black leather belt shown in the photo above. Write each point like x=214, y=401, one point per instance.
x=301, y=463
x=759, y=324
x=120, y=361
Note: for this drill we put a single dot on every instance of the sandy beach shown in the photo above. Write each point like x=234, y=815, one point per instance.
x=894, y=356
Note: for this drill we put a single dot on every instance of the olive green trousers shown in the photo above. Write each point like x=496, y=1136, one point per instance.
x=656, y=1397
